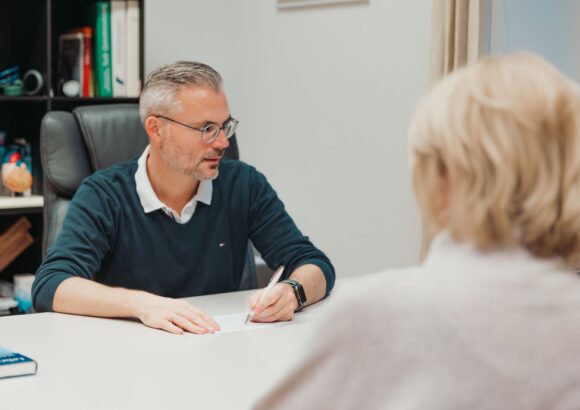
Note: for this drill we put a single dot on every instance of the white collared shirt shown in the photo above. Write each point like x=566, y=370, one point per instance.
x=150, y=202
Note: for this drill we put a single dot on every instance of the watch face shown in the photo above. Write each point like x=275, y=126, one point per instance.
x=301, y=296
x=298, y=292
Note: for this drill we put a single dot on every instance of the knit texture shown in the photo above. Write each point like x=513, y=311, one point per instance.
x=107, y=237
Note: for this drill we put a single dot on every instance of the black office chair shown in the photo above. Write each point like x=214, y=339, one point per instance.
x=91, y=138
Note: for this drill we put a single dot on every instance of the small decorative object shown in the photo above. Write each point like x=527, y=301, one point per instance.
x=14, y=89
x=9, y=75
x=70, y=64
x=12, y=86
x=23, y=291
x=17, y=168
x=10, y=81
x=32, y=82
x=71, y=88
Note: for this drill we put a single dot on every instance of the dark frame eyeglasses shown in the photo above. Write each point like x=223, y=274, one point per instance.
x=209, y=132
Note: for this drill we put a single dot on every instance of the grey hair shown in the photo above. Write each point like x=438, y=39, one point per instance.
x=158, y=95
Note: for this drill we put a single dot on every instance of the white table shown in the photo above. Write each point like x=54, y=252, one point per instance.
x=94, y=363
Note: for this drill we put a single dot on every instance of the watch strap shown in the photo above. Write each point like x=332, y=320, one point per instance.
x=298, y=292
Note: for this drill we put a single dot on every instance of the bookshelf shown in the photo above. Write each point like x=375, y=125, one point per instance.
x=29, y=38
x=16, y=205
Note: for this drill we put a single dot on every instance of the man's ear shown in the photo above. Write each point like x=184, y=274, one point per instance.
x=152, y=127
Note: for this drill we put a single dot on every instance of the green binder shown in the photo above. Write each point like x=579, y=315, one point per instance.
x=103, y=71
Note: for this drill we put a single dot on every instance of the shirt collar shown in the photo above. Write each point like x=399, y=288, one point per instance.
x=149, y=200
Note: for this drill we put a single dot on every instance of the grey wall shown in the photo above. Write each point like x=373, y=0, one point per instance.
x=550, y=28
x=324, y=96
x=185, y=30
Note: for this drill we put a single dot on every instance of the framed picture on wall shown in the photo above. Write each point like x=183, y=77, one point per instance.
x=283, y=4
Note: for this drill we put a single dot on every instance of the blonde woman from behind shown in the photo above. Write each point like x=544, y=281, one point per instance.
x=491, y=320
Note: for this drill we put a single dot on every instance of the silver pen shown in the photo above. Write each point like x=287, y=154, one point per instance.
x=275, y=278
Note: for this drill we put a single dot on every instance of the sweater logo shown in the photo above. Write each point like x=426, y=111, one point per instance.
x=222, y=244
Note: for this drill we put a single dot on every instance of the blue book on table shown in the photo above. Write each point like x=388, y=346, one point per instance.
x=14, y=364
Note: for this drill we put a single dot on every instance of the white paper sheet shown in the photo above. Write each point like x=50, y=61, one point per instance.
x=235, y=323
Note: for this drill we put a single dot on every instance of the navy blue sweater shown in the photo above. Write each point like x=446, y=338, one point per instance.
x=107, y=237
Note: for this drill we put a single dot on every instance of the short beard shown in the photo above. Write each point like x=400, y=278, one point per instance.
x=176, y=162
x=200, y=176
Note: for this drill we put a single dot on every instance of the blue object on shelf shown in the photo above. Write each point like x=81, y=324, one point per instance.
x=9, y=76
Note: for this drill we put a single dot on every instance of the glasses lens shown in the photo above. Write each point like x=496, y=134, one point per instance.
x=210, y=133
x=231, y=127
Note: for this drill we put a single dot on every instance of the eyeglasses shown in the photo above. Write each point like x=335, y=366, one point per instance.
x=209, y=132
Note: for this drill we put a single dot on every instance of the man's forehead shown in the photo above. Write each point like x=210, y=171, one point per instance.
x=203, y=104
x=200, y=91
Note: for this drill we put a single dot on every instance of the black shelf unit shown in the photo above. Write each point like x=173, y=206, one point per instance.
x=29, y=34
x=23, y=99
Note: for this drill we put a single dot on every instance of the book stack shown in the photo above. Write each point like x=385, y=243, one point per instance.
x=15, y=240
x=102, y=59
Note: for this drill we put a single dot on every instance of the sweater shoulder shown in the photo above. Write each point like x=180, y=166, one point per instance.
x=114, y=184
x=114, y=177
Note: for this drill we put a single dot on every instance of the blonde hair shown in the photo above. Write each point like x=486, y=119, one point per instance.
x=503, y=135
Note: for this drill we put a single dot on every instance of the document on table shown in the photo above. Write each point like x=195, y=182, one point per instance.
x=235, y=323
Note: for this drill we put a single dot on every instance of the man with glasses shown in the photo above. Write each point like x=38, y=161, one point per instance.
x=141, y=234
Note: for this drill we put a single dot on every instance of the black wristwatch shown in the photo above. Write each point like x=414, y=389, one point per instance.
x=298, y=292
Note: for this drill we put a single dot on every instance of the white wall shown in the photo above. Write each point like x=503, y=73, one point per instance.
x=324, y=96
x=185, y=30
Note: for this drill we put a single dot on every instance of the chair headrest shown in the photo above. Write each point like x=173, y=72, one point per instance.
x=73, y=146
x=63, y=154
x=94, y=137
x=112, y=133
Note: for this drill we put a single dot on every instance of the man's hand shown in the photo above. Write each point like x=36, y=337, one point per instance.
x=85, y=297
x=277, y=305
x=173, y=315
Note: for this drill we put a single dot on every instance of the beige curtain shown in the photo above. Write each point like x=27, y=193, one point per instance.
x=460, y=34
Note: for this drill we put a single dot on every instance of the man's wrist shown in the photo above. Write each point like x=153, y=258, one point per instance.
x=298, y=291
x=136, y=303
